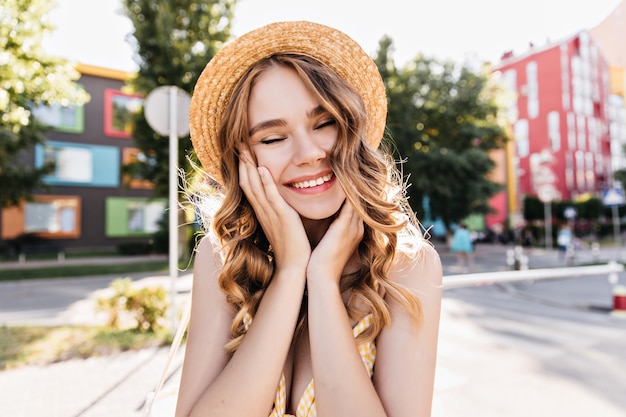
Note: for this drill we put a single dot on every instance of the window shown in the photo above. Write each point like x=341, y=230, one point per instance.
x=554, y=130
x=119, y=109
x=126, y=217
x=571, y=131
x=47, y=216
x=129, y=156
x=569, y=172
x=565, y=77
x=78, y=164
x=532, y=81
x=589, y=171
x=63, y=118
x=580, y=170
x=521, y=138
x=582, y=132
x=510, y=83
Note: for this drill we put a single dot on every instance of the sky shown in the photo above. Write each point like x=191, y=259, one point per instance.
x=94, y=31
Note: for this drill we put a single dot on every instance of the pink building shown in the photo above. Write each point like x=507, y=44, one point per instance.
x=559, y=115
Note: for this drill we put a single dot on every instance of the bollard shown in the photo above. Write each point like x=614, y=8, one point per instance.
x=595, y=251
x=523, y=261
x=510, y=258
x=619, y=301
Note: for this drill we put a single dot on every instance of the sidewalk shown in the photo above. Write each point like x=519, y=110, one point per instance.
x=101, y=260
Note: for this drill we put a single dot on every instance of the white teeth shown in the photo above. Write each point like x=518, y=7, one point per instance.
x=313, y=183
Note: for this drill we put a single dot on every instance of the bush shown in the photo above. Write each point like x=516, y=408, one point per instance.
x=144, y=308
x=134, y=248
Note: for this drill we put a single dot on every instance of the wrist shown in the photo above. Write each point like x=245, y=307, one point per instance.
x=292, y=274
x=318, y=282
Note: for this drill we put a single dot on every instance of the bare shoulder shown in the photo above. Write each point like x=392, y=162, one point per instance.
x=206, y=270
x=207, y=251
x=418, y=268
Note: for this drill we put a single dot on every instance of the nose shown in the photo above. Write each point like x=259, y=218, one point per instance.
x=308, y=149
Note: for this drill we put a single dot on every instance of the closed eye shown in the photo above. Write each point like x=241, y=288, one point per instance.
x=327, y=123
x=269, y=141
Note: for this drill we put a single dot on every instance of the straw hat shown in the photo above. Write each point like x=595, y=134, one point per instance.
x=329, y=46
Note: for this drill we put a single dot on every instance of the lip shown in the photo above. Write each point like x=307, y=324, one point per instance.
x=309, y=177
x=312, y=190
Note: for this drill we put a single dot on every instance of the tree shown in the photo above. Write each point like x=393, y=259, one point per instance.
x=444, y=120
x=174, y=40
x=28, y=79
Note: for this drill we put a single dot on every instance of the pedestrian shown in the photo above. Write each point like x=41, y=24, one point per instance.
x=565, y=242
x=313, y=267
x=463, y=246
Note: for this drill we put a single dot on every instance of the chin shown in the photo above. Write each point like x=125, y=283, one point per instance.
x=321, y=212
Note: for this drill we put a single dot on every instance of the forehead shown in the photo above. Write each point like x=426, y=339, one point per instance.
x=279, y=89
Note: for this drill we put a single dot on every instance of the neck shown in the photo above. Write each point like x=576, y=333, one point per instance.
x=316, y=229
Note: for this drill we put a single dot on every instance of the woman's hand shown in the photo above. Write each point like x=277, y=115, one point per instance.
x=330, y=256
x=280, y=222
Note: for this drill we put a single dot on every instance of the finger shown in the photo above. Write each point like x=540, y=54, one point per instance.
x=270, y=189
x=254, y=187
x=349, y=219
x=244, y=180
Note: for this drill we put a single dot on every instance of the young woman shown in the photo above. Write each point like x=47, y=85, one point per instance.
x=314, y=292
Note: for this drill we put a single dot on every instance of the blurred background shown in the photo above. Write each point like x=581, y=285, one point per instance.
x=509, y=117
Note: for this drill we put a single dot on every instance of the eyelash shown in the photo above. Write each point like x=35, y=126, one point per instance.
x=321, y=126
x=326, y=123
x=270, y=141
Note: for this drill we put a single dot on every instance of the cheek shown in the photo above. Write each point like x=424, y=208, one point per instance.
x=268, y=160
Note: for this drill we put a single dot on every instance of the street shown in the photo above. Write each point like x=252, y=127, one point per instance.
x=514, y=350
x=540, y=348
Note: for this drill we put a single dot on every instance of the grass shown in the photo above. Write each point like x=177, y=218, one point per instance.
x=83, y=270
x=20, y=346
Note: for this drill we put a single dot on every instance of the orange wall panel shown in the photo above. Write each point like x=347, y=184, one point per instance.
x=12, y=222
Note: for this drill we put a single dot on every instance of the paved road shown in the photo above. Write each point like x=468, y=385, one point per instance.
x=547, y=348
x=521, y=350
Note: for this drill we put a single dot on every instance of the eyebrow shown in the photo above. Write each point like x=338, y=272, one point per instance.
x=280, y=122
x=316, y=112
x=265, y=125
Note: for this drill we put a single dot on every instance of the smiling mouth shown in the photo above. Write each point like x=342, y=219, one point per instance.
x=312, y=183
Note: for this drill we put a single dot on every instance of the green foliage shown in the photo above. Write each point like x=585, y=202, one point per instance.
x=591, y=209
x=135, y=248
x=146, y=306
x=444, y=119
x=69, y=270
x=620, y=175
x=28, y=78
x=533, y=208
x=175, y=39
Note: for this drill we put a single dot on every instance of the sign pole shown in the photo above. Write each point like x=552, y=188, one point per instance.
x=167, y=110
x=547, y=212
x=173, y=202
x=616, y=225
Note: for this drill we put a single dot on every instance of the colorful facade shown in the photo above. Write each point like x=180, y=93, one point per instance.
x=560, y=120
x=609, y=35
x=90, y=203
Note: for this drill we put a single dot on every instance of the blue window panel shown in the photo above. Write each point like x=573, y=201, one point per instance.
x=80, y=164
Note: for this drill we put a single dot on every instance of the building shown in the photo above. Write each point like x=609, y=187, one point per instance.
x=609, y=35
x=560, y=119
x=90, y=203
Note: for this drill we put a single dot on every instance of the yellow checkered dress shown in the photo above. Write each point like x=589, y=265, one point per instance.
x=306, y=406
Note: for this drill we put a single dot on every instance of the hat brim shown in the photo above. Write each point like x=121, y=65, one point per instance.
x=329, y=46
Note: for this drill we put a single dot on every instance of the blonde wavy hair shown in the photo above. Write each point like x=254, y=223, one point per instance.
x=370, y=180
